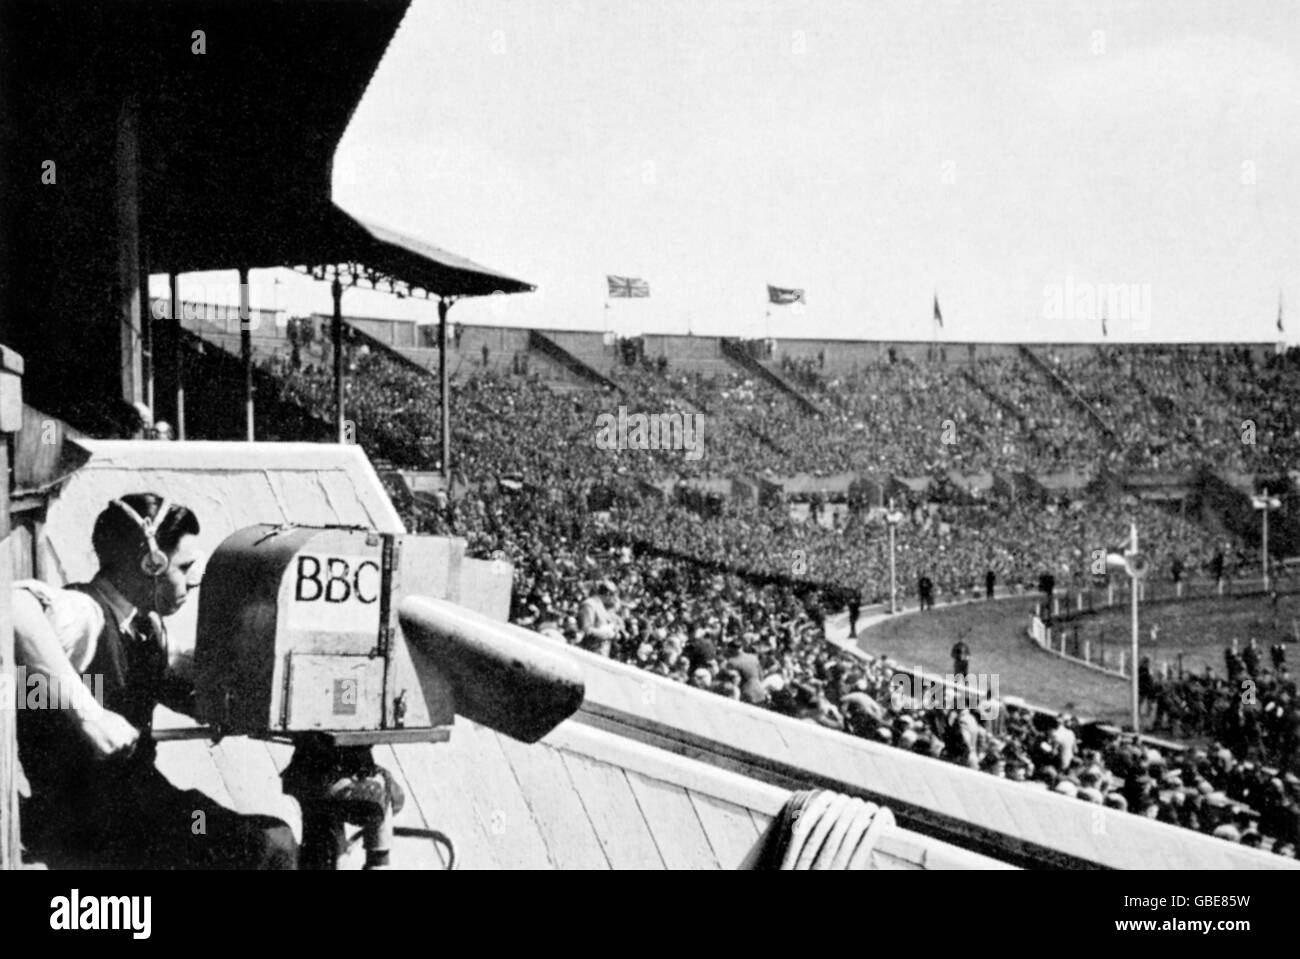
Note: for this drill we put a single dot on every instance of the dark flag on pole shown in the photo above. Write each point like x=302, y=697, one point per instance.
x=938, y=317
x=783, y=297
x=627, y=287
x=1280, y=329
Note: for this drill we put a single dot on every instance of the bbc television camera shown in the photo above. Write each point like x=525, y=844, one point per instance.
x=300, y=639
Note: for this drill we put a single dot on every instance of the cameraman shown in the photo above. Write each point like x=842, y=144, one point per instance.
x=97, y=798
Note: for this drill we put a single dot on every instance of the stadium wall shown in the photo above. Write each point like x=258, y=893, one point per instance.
x=701, y=354
x=1017, y=823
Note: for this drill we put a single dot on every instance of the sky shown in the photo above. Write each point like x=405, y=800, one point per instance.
x=1031, y=164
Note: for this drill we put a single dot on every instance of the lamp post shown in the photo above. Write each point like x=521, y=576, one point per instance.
x=1135, y=564
x=893, y=518
x=1265, y=504
x=1133, y=594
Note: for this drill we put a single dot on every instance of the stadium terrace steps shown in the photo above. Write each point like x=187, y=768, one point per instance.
x=735, y=351
x=993, y=395
x=551, y=349
x=557, y=374
x=1068, y=390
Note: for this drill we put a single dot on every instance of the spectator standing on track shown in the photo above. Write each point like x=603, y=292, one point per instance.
x=990, y=581
x=1146, y=686
x=1216, y=570
x=855, y=609
x=1250, y=658
x=1232, y=662
x=961, y=658
x=925, y=592
x=1047, y=583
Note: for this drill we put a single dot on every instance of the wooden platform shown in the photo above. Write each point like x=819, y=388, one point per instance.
x=580, y=799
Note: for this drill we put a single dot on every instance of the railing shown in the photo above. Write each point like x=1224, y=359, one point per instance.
x=548, y=347
x=735, y=351
x=1057, y=630
x=1058, y=643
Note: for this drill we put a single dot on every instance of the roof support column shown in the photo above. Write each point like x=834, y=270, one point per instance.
x=246, y=351
x=336, y=334
x=127, y=215
x=11, y=420
x=147, y=338
x=444, y=385
x=178, y=352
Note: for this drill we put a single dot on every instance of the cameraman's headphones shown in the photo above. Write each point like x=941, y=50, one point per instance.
x=154, y=562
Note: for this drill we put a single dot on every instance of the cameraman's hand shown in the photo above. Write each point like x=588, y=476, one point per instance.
x=110, y=735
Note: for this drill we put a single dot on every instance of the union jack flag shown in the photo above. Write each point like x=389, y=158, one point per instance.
x=627, y=287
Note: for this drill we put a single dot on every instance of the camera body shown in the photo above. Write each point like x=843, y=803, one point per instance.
x=297, y=633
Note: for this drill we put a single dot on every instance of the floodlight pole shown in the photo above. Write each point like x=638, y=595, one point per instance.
x=1265, y=503
x=891, y=519
x=1133, y=666
x=1265, y=511
x=893, y=588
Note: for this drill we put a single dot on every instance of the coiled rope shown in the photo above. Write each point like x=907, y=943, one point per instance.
x=820, y=829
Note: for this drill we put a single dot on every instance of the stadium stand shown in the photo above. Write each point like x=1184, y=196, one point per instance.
x=726, y=570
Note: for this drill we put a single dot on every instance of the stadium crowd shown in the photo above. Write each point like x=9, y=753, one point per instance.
x=733, y=598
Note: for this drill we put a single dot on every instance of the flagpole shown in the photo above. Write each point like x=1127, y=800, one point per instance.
x=1281, y=328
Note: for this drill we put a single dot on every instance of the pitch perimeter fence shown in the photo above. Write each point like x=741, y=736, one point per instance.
x=1065, y=624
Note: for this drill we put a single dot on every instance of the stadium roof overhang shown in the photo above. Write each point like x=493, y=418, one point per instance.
x=236, y=151
x=326, y=241
x=382, y=257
